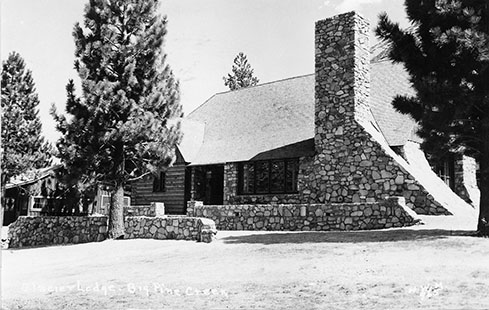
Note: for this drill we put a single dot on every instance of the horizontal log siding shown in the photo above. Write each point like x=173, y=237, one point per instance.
x=173, y=197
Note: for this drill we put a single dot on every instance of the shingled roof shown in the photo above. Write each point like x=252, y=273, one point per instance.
x=251, y=123
x=387, y=81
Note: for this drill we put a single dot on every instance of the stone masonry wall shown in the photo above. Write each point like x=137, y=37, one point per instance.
x=385, y=181
x=177, y=227
x=230, y=182
x=306, y=217
x=50, y=230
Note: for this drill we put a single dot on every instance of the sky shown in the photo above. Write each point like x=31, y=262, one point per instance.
x=203, y=38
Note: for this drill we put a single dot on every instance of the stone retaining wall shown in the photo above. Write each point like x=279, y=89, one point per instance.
x=177, y=227
x=319, y=217
x=51, y=230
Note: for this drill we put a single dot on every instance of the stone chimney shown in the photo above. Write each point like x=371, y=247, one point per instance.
x=353, y=162
x=342, y=60
x=343, y=149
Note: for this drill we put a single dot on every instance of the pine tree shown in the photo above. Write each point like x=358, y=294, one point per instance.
x=23, y=146
x=242, y=74
x=447, y=57
x=120, y=128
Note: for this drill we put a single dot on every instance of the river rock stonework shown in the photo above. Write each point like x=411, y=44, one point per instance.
x=307, y=217
x=170, y=227
x=51, y=230
x=351, y=164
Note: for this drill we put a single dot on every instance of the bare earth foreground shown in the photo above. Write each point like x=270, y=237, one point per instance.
x=394, y=269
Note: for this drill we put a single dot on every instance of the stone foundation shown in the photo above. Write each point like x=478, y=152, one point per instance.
x=318, y=217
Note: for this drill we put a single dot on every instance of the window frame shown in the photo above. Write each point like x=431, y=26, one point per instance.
x=256, y=163
x=33, y=202
x=46, y=201
x=445, y=170
x=159, y=183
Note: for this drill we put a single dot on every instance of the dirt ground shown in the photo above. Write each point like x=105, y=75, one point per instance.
x=394, y=269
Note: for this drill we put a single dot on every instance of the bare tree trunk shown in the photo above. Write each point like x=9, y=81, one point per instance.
x=3, y=180
x=116, y=214
x=2, y=204
x=483, y=224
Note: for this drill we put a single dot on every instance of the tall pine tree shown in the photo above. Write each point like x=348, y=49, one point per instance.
x=23, y=146
x=119, y=128
x=242, y=74
x=447, y=57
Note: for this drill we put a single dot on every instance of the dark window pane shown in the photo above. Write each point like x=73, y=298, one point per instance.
x=199, y=183
x=156, y=183
x=159, y=182
x=162, y=181
x=247, y=178
x=277, y=182
x=291, y=176
x=262, y=177
x=40, y=202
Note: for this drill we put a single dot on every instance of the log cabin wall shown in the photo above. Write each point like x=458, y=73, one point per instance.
x=173, y=194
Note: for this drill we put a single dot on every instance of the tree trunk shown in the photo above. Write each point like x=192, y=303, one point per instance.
x=2, y=204
x=116, y=214
x=3, y=181
x=483, y=224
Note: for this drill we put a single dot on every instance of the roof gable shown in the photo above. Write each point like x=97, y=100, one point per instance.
x=32, y=176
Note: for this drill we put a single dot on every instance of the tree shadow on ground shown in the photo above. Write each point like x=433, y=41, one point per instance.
x=346, y=236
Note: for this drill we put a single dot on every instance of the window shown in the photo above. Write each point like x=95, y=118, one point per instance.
x=268, y=177
x=248, y=178
x=41, y=203
x=277, y=177
x=262, y=177
x=291, y=176
x=159, y=182
x=445, y=171
x=9, y=204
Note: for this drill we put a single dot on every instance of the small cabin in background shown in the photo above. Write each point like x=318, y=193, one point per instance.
x=29, y=193
x=39, y=192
